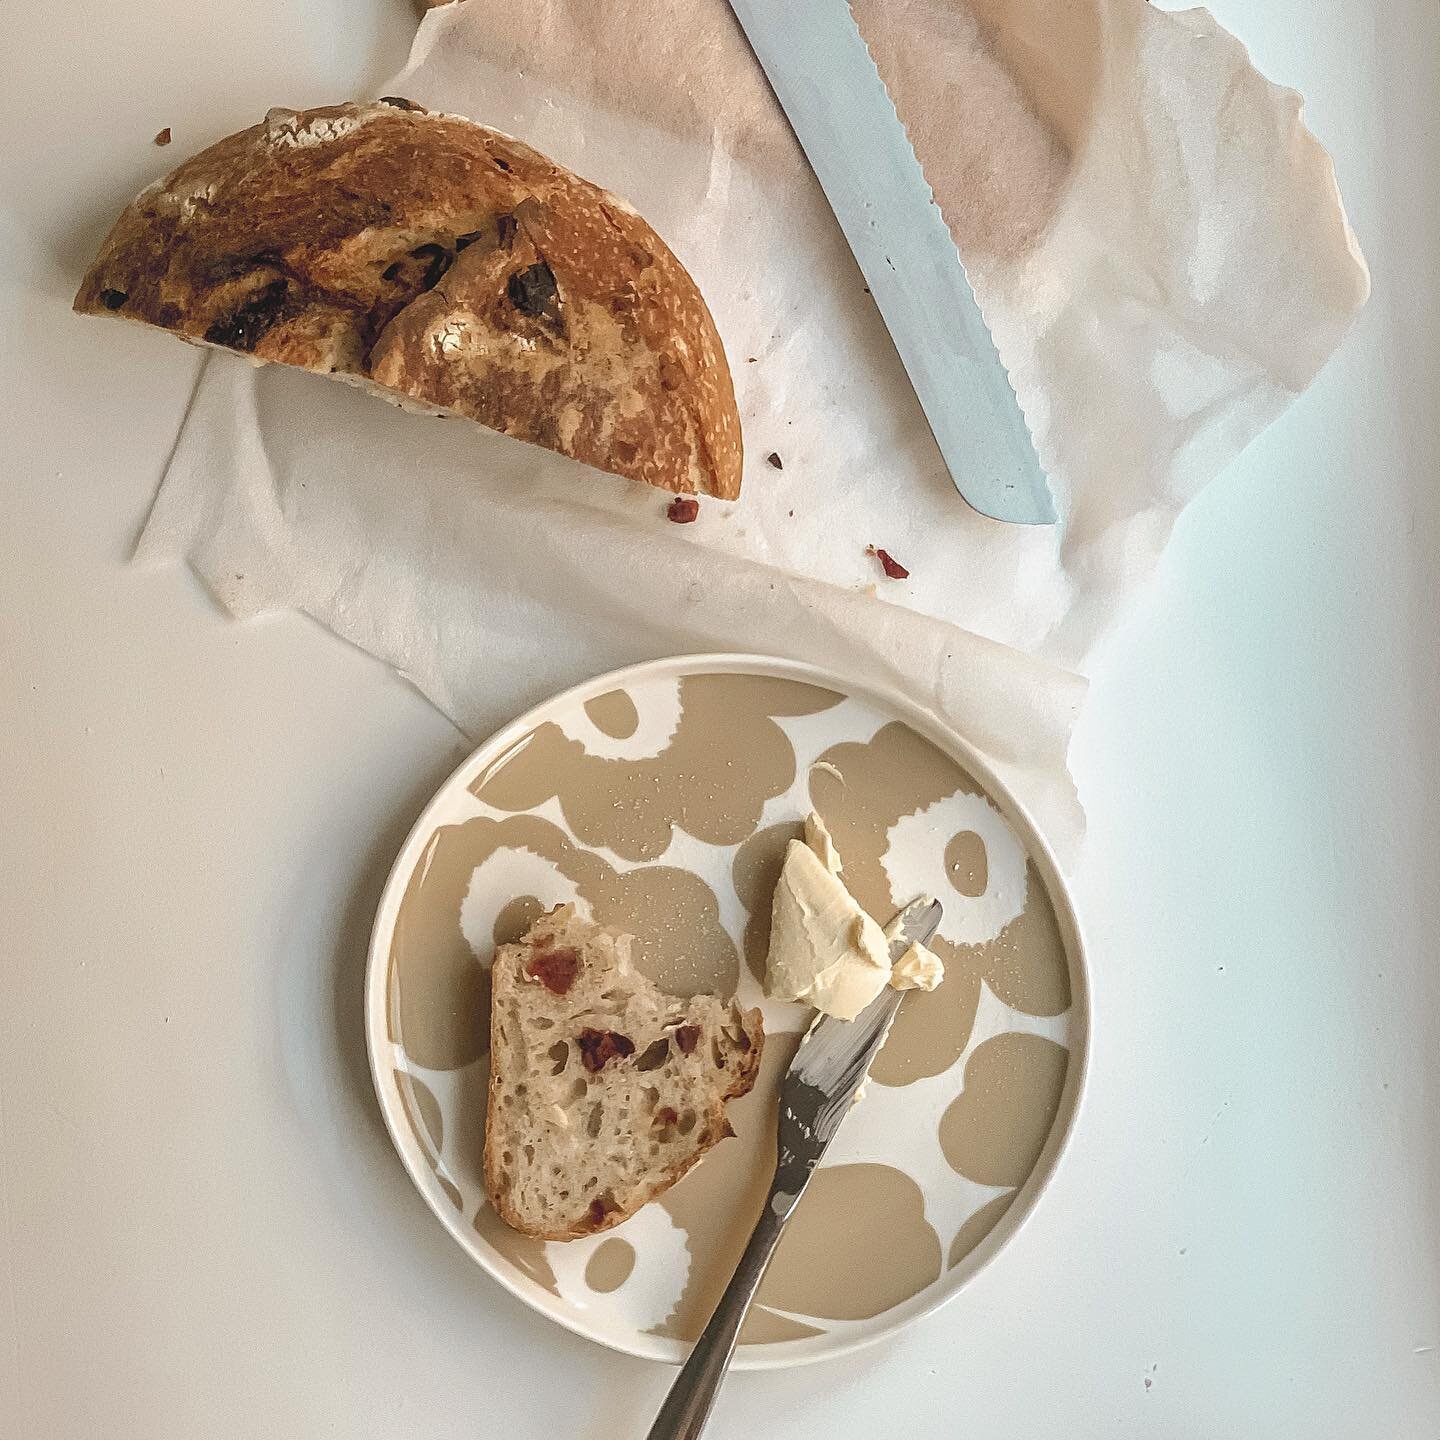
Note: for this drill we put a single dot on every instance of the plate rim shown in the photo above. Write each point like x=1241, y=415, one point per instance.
x=786, y=1353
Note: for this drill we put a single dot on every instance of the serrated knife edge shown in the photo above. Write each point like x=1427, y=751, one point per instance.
x=914, y=269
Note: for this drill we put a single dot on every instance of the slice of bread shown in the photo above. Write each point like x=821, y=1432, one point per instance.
x=604, y=1090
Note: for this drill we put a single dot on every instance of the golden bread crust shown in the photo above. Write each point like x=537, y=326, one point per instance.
x=448, y=263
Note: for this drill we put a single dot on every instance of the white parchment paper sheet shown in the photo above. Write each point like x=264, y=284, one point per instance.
x=1159, y=247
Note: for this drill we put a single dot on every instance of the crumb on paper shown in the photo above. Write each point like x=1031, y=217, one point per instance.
x=683, y=509
x=163, y=138
x=774, y=460
x=750, y=359
x=829, y=769
x=893, y=569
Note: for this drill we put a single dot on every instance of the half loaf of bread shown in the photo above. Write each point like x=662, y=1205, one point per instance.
x=445, y=265
x=604, y=1091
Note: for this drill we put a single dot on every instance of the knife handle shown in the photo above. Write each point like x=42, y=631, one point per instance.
x=687, y=1406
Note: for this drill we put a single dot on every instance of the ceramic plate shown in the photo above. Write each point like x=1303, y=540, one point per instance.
x=659, y=800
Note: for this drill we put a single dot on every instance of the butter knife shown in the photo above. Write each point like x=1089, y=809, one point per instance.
x=822, y=73
x=815, y=1096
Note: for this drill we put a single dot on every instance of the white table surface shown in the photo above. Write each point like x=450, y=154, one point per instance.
x=204, y=1232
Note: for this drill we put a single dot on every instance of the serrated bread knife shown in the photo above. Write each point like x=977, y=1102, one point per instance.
x=823, y=75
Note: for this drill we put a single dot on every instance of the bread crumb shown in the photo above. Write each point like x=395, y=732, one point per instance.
x=773, y=459
x=683, y=509
x=163, y=138
x=893, y=569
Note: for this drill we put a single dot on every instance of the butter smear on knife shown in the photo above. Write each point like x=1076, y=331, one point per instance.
x=825, y=950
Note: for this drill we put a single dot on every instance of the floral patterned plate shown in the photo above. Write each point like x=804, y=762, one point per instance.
x=659, y=799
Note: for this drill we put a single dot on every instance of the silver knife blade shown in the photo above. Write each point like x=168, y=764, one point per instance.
x=822, y=73
x=831, y=1065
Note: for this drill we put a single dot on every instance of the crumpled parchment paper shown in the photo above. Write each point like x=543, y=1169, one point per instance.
x=1158, y=244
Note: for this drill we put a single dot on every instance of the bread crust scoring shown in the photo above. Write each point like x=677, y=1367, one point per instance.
x=447, y=263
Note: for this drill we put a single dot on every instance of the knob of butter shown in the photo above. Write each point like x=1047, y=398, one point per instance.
x=917, y=969
x=825, y=950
